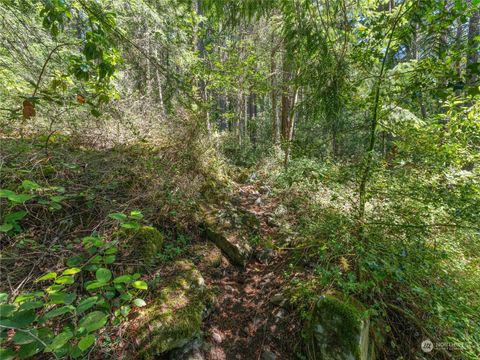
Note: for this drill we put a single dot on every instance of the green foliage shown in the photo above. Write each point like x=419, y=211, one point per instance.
x=63, y=316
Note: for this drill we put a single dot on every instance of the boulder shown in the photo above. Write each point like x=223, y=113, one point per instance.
x=231, y=238
x=140, y=245
x=174, y=317
x=338, y=330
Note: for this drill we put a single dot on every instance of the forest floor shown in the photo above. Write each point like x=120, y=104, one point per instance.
x=250, y=320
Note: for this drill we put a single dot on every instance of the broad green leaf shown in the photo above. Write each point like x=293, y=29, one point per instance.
x=62, y=298
x=15, y=216
x=93, y=321
x=75, y=260
x=5, y=228
x=7, y=354
x=131, y=225
x=142, y=285
x=139, y=302
x=28, y=296
x=110, y=259
x=30, y=185
x=57, y=312
x=86, y=342
x=3, y=297
x=86, y=304
x=123, y=279
x=6, y=310
x=20, y=198
x=118, y=216
x=31, y=305
x=72, y=271
x=136, y=214
x=20, y=319
x=48, y=276
x=103, y=275
x=67, y=280
x=5, y=193
x=95, y=285
x=60, y=340
x=22, y=338
x=28, y=350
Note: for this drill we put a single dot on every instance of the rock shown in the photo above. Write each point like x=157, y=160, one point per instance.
x=258, y=201
x=265, y=255
x=279, y=315
x=208, y=255
x=217, y=337
x=338, y=331
x=268, y=355
x=280, y=210
x=191, y=351
x=264, y=189
x=174, y=318
x=278, y=300
x=141, y=245
x=271, y=221
x=232, y=241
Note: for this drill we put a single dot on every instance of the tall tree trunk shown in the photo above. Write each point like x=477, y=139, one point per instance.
x=472, y=46
x=273, y=69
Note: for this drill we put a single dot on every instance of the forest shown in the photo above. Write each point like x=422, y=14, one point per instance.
x=240, y=179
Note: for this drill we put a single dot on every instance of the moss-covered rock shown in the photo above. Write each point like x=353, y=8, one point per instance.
x=228, y=236
x=174, y=318
x=141, y=245
x=207, y=255
x=338, y=330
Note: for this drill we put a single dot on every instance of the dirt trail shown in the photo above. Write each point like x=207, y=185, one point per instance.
x=250, y=321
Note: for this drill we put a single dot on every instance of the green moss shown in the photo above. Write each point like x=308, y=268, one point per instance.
x=142, y=244
x=336, y=330
x=175, y=317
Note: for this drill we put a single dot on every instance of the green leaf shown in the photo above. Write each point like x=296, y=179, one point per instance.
x=21, y=319
x=86, y=304
x=20, y=198
x=22, y=338
x=136, y=214
x=123, y=279
x=28, y=296
x=142, y=285
x=5, y=228
x=15, y=216
x=7, y=354
x=118, y=216
x=31, y=305
x=4, y=193
x=72, y=271
x=110, y=259
x=48, y=276
x=28, y=350
x=6, y=310
x=67, y=280
x=30, y=185
x=103, y=275
x=86, y=342
x=139, y=303
x=57, y=198
x=62, y=298
x=95, y=285
x=60, y=340
x=133, y=225
x=75, y=260
x=93, y=321
x=58, y=312
x=3, y=297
